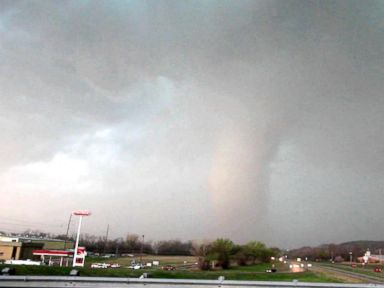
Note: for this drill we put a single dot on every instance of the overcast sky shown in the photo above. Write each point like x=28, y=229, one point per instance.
x=252, y=120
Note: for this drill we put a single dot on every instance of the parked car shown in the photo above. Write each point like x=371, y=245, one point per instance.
x=377, y=269
x=100, y=265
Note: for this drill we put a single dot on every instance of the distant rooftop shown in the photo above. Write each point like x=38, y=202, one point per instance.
x=379, y=257
x=27, y=237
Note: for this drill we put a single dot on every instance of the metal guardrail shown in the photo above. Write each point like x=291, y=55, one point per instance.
x=67, y=281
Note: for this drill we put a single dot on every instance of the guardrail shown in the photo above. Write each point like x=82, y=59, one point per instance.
x=76, y=281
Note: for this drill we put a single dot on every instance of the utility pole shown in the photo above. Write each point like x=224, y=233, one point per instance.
x=141, y=251
x=106, y=239
x=66, y=234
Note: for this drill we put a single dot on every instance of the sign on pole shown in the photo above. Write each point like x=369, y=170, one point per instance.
x=81, y=213
x=79, y=261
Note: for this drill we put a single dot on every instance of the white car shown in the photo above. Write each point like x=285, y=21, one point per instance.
x=100, y=265
x=22, y=262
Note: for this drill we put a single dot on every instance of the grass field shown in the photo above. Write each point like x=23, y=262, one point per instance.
x=164, y=260
x=366, y=270
x=185, y=269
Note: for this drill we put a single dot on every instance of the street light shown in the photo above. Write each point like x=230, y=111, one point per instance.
x=79, y=213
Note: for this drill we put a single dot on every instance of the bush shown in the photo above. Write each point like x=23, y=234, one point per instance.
x=203, y=264
x=339, y=259
x=241, y=259
x=221, y=250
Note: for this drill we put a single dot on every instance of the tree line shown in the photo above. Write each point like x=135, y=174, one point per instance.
x=133, y=244
x=337, y=252
x=220, y=253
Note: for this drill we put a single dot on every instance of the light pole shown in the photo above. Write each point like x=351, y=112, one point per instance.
x=79, y=213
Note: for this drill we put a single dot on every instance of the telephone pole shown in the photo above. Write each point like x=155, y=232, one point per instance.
x=141, y=250
x=106, y=239
x=66, y=234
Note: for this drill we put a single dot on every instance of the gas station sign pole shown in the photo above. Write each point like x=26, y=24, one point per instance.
x=79, y=213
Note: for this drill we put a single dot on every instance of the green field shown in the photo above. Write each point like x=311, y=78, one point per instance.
x=185, y=269
x=126, y=261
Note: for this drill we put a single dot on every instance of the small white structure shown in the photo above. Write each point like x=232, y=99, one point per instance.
x=61, y=256
x=366, y=256
x=9, y=239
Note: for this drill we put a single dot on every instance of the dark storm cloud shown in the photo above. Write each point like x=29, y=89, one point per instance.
x=260, y=119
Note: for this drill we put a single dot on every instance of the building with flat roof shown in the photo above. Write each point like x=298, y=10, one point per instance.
x=10, y=250
x=21, y=248
x=49, y=243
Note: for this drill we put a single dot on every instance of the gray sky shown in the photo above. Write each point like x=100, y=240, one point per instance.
x=253, y=120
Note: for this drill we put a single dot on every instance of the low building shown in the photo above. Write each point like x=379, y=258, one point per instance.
x=48, y=243
x=371, y=258
x=10, y=250
x=21, y=248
